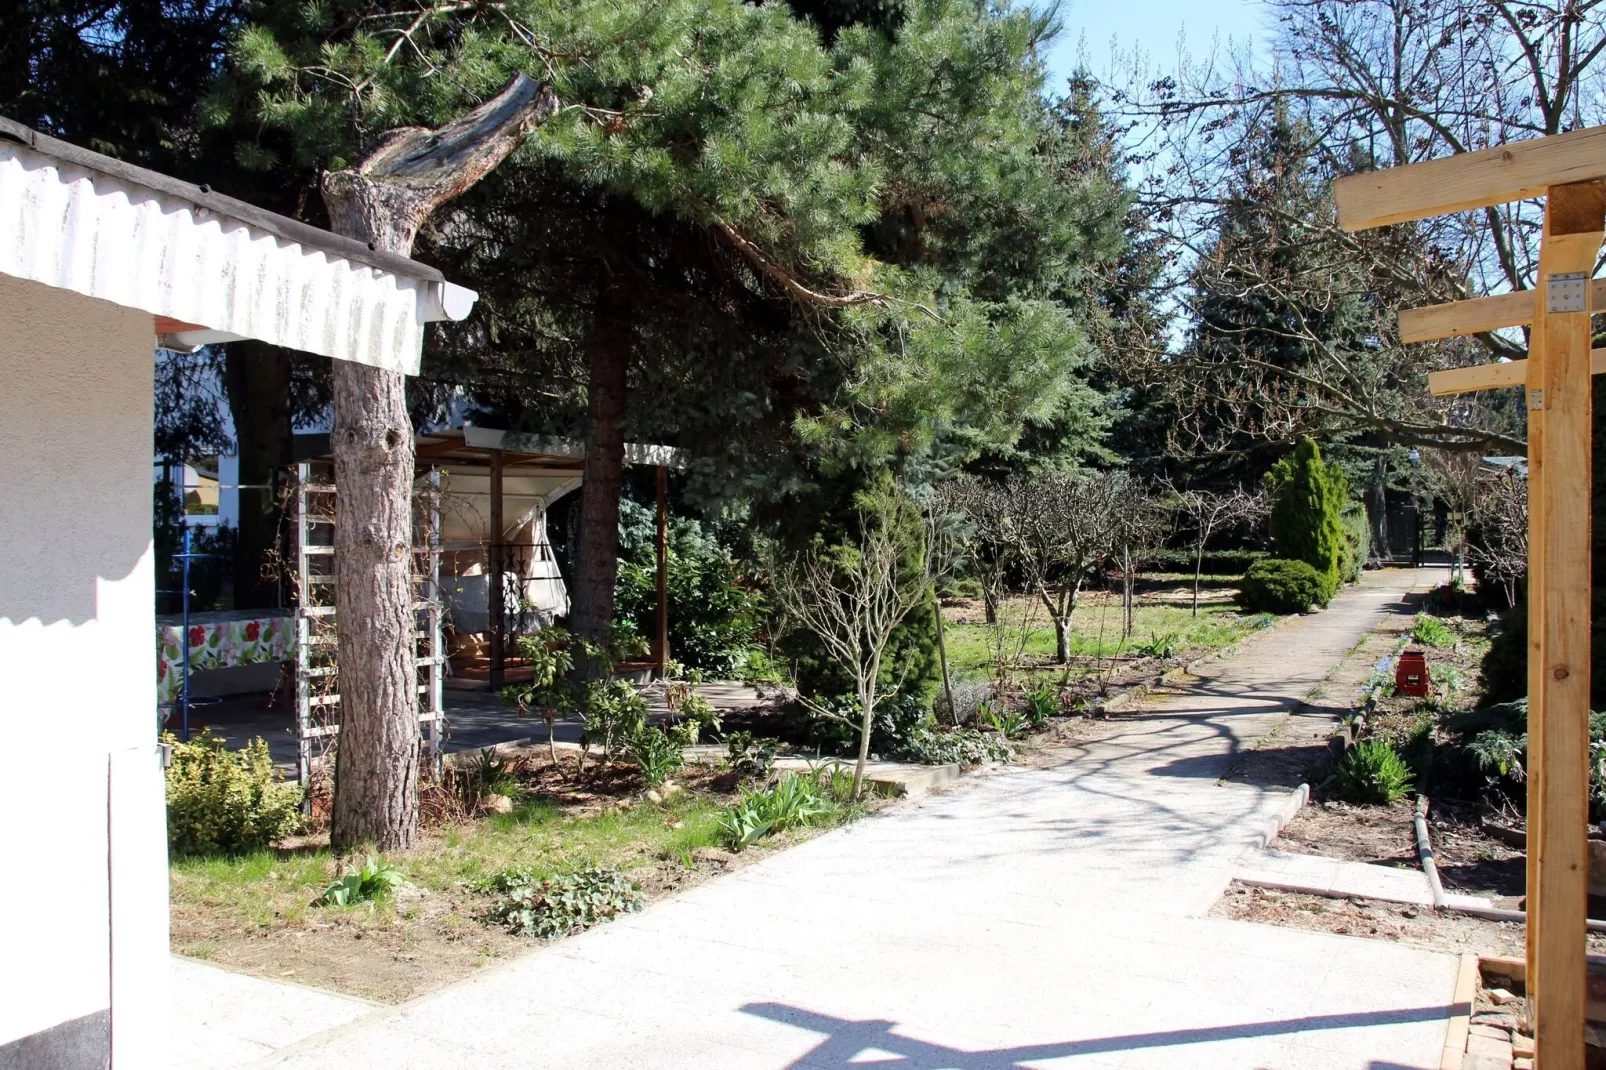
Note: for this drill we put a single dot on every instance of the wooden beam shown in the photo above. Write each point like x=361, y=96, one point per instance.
x=1494, y=376
x=1479, y=314
x=1468, y=180
x=1560, y=403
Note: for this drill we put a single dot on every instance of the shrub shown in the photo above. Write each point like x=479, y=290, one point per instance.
x=895, y=717
x=969, y=696
x=931, y=745
x=659, y=755
x=1278, y=586
x=1372, y=772
x=1357, y=548
x=613, y=714
x=749, y=756
x=1505, y=666
x=713, y=619
x=1308, y=501
x=374, y=880
x=223, y=801
x=1431, y=631
x=550, y=907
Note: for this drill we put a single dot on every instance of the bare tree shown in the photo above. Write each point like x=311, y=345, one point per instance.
x=1138, y=530
x=1500, y=520
x=1058, y=528
x=1366, y=84
x=851, y=598
x=1215, y=511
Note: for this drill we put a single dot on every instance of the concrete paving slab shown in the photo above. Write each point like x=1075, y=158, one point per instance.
x=224, y=1019
x=1024, y=918
x=1319, y=875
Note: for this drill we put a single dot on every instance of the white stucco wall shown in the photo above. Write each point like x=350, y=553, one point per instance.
x=77, y=669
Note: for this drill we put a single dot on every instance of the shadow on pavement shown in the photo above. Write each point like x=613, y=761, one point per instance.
x=847, y=1040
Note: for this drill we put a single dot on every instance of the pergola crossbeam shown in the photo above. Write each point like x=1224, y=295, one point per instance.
x=1470, y=180
x=1478, y=315
x=1495, y=376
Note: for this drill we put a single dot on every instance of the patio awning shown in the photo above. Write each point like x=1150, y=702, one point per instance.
x=208, y=268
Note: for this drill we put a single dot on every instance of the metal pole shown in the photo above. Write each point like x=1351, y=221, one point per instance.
x=494, y=599
x=661, y=639
x=184, y=593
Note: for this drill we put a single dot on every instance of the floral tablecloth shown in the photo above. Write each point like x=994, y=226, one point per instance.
x=218, y=640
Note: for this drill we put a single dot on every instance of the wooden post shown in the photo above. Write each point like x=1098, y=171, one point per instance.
x=661, y=639
x=1559, y=413
x=494, y=602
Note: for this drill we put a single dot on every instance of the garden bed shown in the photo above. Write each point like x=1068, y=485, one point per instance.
x=255, y=913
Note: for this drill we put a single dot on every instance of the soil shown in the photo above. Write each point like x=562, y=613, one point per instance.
x=427, y=940
x=423, y=938
x=1376, y=919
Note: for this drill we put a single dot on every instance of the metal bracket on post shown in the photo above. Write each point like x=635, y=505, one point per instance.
x=1567, y=291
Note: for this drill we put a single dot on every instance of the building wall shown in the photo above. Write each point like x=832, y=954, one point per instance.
x=83, y=926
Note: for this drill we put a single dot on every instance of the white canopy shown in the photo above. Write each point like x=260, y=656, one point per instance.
x=207, y=267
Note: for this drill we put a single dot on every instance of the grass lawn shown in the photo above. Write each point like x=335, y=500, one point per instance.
x=254, y=913
x=1164, y=615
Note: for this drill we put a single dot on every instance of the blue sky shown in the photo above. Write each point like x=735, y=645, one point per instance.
x=1153, y=26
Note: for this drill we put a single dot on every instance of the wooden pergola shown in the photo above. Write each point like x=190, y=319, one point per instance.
x=1566, y=171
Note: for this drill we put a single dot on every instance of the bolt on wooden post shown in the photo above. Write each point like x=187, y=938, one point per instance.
x=1566, y=170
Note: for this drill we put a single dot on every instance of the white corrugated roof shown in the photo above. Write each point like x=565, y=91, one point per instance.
x=83, y=222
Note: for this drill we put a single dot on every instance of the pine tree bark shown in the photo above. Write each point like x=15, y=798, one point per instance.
x=257, y=379
x=598, y=565
x=384, y=202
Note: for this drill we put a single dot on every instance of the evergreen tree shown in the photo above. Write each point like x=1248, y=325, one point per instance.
x=1308, y=500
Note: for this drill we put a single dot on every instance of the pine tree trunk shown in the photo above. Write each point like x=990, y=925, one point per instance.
x=598, y=565
x=257, y=379
x=383, y=202
x=376, y=774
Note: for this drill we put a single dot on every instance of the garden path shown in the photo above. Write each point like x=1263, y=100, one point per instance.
x=1037, y=917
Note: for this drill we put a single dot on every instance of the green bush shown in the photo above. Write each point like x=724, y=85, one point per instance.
x=713, y=619
x=750, y=757
x=1372, y=772
x=1357, y=548
x=1309, y=497
x=550, y=907
x=930, y=745
x=658, y=753
x=1278, y=586
x=896, y=716
x=1505, y=665
x=226, y=802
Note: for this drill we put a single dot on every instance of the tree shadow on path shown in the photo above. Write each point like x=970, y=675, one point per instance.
x=846, y=1039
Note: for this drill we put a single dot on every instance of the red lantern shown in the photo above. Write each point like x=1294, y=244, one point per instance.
x=1411, y=676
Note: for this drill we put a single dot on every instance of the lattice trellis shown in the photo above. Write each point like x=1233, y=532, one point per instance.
x=312, y=500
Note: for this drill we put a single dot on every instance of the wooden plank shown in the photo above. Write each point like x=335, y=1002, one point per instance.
x=1461, y=1000
x=1559, y=628
x=1456, y=318
x=1495, y=376
x=1496, y=175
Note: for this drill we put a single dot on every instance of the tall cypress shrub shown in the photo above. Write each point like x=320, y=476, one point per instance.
x=1307, y=514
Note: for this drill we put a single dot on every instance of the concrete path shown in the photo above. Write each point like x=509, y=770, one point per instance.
x=1026, y=918
x=222, y=1019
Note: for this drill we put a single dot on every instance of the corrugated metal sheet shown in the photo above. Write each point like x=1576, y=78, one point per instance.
x=69, y=226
